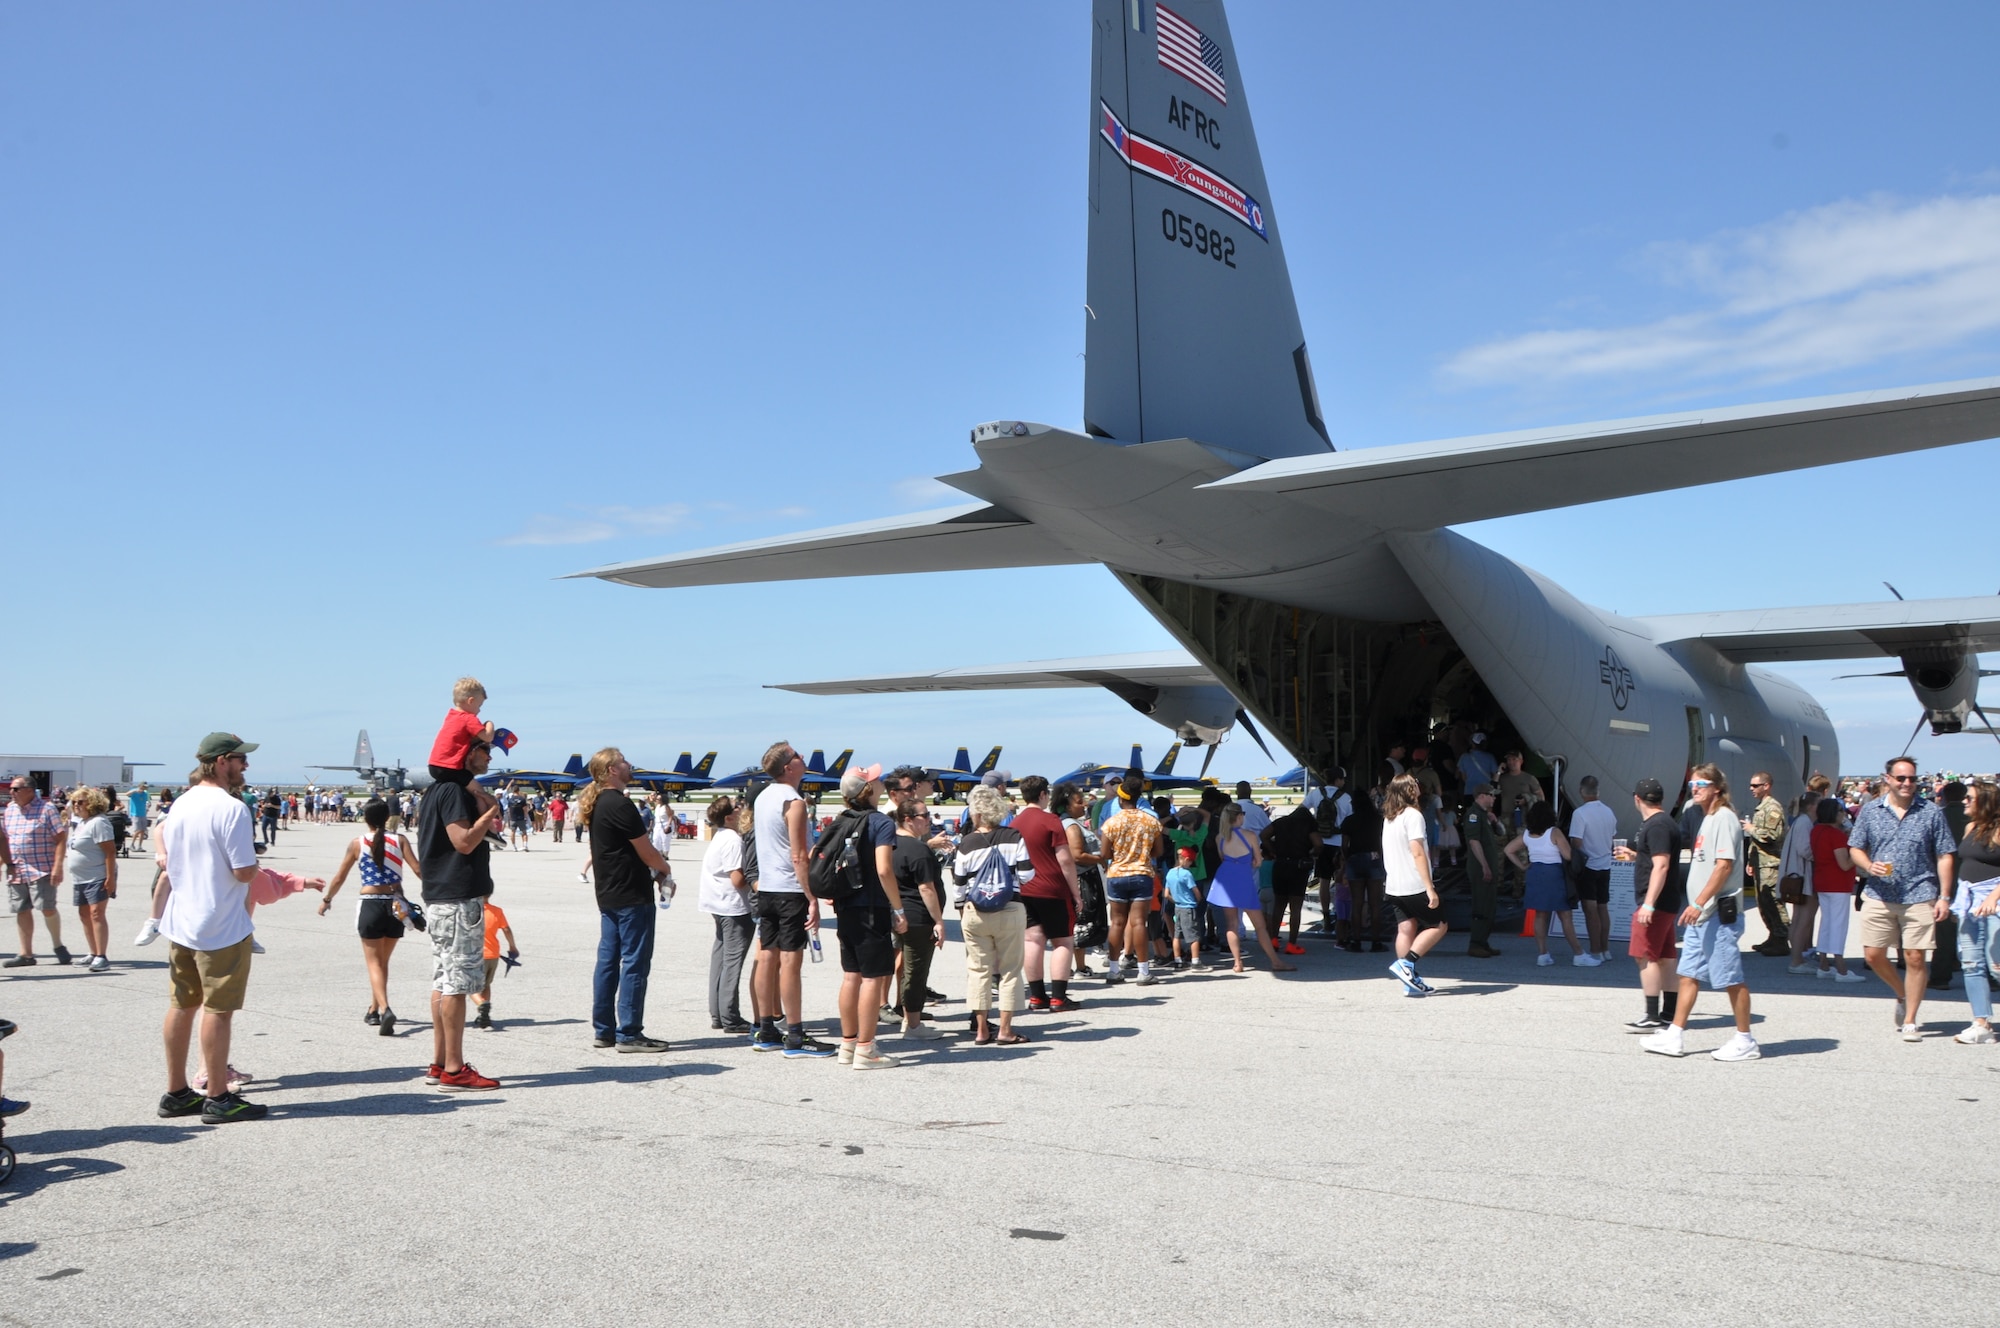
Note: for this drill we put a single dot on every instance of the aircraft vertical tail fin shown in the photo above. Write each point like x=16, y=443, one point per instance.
x=1138, y=761
x=364, y=753
x=990, y=763
x=1167, y=761
x=704, y=765
x=1191, y=329
x=962, y=761
x=839, y=766
x=685, y=765
x=574, y=766
x=816, y=763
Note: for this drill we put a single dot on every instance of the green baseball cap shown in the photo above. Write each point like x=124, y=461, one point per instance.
x=222, y=744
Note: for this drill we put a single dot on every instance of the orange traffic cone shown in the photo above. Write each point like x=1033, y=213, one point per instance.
x=1528, y=923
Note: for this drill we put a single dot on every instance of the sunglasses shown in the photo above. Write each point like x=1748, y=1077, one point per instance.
x=1901, y=779
x=1701, y=783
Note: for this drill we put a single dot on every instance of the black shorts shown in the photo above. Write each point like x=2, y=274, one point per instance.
x=1327, y=865
x=1056, y=917
x=1288, y=879
x=867, y=944
x=781, y=920
x=1417, y=909
x=1594, y=886
x=378, y=919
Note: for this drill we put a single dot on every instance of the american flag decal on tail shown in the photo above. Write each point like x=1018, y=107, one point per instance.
x=1187, y=51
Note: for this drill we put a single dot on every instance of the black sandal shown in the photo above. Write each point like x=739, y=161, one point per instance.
x=1011, y=1040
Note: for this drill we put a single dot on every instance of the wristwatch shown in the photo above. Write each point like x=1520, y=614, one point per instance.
x=897, y=911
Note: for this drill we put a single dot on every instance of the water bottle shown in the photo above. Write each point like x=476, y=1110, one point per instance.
x=817, y=954
x=667, y=893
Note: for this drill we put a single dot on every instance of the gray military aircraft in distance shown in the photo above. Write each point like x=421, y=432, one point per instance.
x=1323, y=590
x=382, y=778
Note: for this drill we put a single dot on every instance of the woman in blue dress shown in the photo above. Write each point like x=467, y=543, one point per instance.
x=1540, y=851
x=1234, y=890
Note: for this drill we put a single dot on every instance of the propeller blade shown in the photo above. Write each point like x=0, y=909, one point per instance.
x=1243, y=718
x=1207, y=756
x=1893, y=673
x=1893, y=591
x=1987, y=720
x=1923, y=717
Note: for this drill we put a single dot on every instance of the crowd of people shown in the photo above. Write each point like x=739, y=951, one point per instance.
x=1039, y=885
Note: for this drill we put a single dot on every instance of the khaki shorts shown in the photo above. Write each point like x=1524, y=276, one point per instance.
x=1897, y=926
x=26, y=896
x=212, y=979
x=458, y=946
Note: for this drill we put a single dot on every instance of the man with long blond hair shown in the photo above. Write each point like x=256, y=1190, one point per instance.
x=626, y=867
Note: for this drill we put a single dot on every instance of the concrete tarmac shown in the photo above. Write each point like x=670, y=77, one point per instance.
x=1315, y=1148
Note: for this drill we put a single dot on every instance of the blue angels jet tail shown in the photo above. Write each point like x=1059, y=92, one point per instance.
x=704, y=765
x=574, y=766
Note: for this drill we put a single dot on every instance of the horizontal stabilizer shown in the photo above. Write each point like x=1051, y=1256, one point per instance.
x=1154, y=668
x=1421, y=486
x=949, y=539
x=1840, y=631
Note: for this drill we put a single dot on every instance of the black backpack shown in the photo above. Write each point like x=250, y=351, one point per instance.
x=834, y=870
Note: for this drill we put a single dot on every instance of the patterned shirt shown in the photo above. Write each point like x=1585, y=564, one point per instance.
x=1131, y=841
x=1911, y=843
x=31, y=837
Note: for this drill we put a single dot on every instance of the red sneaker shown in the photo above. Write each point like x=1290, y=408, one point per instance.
x=1295, y=948
x=465, y=1079
x=1040, y=1003
x=433, y=1073
x=1062, y=1005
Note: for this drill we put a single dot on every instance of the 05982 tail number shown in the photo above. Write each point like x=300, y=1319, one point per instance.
x=1198, y=236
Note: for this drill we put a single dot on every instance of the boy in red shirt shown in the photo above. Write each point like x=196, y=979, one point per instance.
x=461, y=728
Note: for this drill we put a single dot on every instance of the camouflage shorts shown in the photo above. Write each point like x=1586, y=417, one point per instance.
x=458, y=940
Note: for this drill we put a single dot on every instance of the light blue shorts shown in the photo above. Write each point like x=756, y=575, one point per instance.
x=1712, y=953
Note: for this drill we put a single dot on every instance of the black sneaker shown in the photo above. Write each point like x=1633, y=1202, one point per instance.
x=231, y=1107
x=187, y=1102
x=932, y=997
x=372, y=1018
x=739, y=1028
x=386, y=1026
x=602, y=1042
x=62, y=956
x=808, y=1046
x=638, y=1044
x=1645, y=1023
x=766, y=1040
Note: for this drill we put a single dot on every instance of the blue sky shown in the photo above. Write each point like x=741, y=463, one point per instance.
x=331, y=336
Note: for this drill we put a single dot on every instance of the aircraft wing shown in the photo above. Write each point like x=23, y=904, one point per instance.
x=1421, y=486
x=1840, y=631
x=1152, y=668
x=947, y=539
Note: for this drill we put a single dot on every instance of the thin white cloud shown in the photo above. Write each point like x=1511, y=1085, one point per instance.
x=589, y=525
x=1830, y=288
x=923, y=491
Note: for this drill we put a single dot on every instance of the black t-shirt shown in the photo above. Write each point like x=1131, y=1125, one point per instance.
x=1361, y=832
x=450, y=876
x=1977, y=860
x=623, y=879
x=917, y=865
x=1291, y=838
x=1659, y=835
x=877, y=831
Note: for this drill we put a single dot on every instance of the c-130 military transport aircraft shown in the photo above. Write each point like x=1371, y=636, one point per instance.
x=1318, y=591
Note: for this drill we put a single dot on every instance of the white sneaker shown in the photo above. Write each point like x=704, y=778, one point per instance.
x=1666, y=1042
x=1911, y=1033
x=1545, y=961
x=1742, y=1047
x=256, y=946
x=1585, y=961
x=584, y=877
x=1603, y=956
x=1976, y=1035
x=924, y=1033
x=1826, y=974
x=1850, y=976
x=1800, y=968
x=148, y=933
x=872, y=1057
x=102, y=964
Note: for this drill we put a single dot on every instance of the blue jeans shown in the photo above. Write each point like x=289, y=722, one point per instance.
x=1979, y=955
x=624, y=959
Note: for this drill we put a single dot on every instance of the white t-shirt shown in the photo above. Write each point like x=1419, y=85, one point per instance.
x=201, y=845
x=1593, y=827
x=1542, y=848
x=1397, y=863
x=1721, y=837
x=725, y=855
x=1255, y=818
x=774, y=842
x=83, y=862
